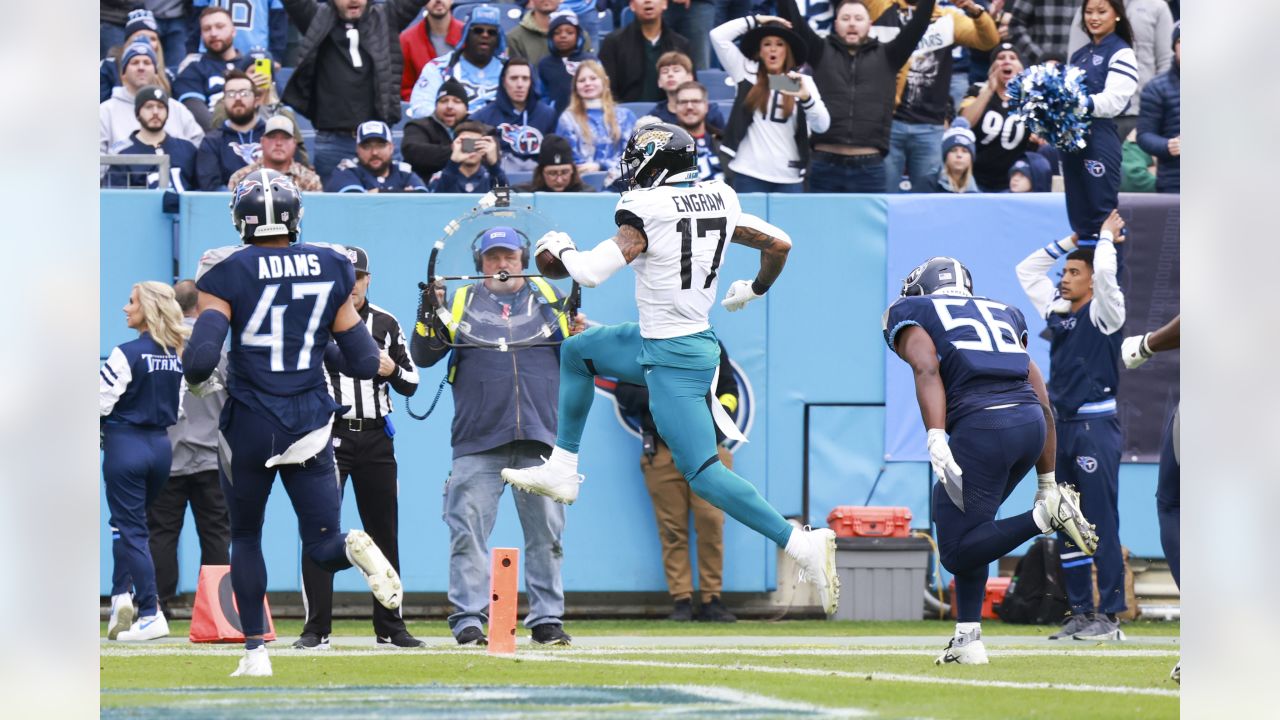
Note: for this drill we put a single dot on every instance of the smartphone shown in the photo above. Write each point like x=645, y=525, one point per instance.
x=783, y=82
x=262, y=66
x=468, y=145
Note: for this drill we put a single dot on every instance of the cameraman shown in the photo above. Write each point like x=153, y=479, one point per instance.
x=673, y=500
x=505, y=407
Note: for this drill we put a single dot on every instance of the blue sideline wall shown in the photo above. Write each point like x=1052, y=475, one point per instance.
x=812, y=352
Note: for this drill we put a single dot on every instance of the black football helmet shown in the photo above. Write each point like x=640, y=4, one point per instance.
x=264, y=204
x=659, y=154
x=938, y=276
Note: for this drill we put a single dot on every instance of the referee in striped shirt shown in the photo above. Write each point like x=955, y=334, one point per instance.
x=364, y=450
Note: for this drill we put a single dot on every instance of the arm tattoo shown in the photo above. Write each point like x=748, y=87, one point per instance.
x=631, y=242
x=773, y=254
x=752, y=238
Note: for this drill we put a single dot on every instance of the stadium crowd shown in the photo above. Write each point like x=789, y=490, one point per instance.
x=449, y=96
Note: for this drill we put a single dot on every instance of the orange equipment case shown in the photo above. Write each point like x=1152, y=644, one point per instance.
x=996, y=589
x=862, y=521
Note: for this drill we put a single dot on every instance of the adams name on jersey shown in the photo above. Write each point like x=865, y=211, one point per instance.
x=981, y=346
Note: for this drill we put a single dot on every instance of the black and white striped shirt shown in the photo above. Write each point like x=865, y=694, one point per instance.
x=371, y=399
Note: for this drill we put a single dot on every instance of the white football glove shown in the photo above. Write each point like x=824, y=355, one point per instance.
x=1135, y=351
x=940, y=455
x=739, y=294
x=1044, y=483
x=212, y=384
x=555, y=241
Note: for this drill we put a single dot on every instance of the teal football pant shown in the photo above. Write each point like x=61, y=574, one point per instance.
x=678, y=402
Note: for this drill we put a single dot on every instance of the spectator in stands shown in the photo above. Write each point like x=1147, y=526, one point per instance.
x=477, y=64
x=768, y=130
x=675, y=69
x=1160, y=125
x=428, y=142
x=236, y=143
x=474, y=164
x=958, y=145
x=193, y=476
x=1138, y=168
x=112, y=17
x=924, y=85
x=674, y=502
x=200, y=81
x=567, y=47
x=587, y=12
x=691, y=114
x=338, y=89
x=1002, y=137
x=141, y=26
x=630, y=54
x=530, y=40
x=1040, y=29
x=374, y=169
x=520, y=119
x=693, y=19
x=1152, y=25
x=420, y=43
x=117, y=118
x=269, y=104
x=1030, y=173
x=857, y=75
x=171, y=25
x=279, y=153
x=594, y=125
x=262, y=23
x=555, y=171
x=151, y=106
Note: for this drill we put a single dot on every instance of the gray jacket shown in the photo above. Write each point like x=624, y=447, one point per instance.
x=1152, y=24
x=194, y=437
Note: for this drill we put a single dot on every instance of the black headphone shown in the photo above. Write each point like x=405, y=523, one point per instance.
x=524, y=249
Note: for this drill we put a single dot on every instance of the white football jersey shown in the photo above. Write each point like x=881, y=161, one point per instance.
x=688, y=229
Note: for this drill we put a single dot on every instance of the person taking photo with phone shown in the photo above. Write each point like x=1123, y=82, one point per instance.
x=775, y=108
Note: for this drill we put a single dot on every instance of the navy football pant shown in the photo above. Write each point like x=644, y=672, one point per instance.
x=248, y=441
x=994, y=449
x=1091, y=178
x=135, y=465
x=1169, y=498
x=1089, y=458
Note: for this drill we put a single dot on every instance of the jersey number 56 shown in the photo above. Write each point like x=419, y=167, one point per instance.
x=987, y=329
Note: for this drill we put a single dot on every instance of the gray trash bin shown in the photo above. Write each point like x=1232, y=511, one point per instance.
x=881, y=578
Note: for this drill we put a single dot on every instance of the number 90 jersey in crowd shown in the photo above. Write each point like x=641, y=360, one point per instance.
x=687, y=229
x=283, y=303
x=981, y=348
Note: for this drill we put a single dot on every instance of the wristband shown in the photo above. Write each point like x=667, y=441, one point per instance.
x=1144, y=348
x=758, y=287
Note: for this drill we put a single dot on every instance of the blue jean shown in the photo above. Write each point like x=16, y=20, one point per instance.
x=471, y=497
x=135, y=466
x=747, y=184
x=826, y=176
x=331, y=149
x=695, y=23
x=727, y=10
x=589, y=23
x=173, y=38
x=917, y=150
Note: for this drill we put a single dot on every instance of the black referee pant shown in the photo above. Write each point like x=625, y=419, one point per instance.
x=367, y=456
x=166, y=515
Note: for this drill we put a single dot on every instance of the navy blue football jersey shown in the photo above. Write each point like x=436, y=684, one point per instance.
x=283, y=302
x=981, y=347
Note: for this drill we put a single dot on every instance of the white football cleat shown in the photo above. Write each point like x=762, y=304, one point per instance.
x=255, y=663
x=550, y=479
x=1062, y=509
x=815, y=552
x=966, y=649
x=146, y=628
x=121, y=615
x=1176, y=675
x=384, y=581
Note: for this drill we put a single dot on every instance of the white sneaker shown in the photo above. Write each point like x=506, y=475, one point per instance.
x=966, y=649
x=551, y=479
x=815, y=552
x=122, y=615
x=1176, y=675
x=1062, y=509
x=255, y=663
x=384, y=581
x=146, y=628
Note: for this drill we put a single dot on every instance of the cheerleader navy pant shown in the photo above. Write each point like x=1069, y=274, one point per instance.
x=1091, y=178
x=1089, y=453
x=135, y=466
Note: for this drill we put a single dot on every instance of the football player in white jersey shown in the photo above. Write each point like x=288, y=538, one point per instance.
x=673, y=231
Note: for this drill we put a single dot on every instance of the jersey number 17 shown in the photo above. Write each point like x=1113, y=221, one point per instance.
x=706, y=226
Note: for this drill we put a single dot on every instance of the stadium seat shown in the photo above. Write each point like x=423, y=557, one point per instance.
x=719, y=85
x=639, y=108
x=519, y=177
x=595, y=180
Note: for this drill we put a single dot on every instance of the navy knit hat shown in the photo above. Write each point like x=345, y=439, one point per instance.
x=142, y=47
x=140, y=19
x=958, y=135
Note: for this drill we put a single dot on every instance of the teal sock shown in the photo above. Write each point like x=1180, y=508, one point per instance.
x=730, y=492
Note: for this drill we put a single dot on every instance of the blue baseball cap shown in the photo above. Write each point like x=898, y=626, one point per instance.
x=500, y=237
x=372, y=130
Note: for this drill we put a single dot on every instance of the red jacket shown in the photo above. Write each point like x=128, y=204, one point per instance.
x=418, y=51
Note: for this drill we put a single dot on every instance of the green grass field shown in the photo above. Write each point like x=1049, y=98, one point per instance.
x=646, y=668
